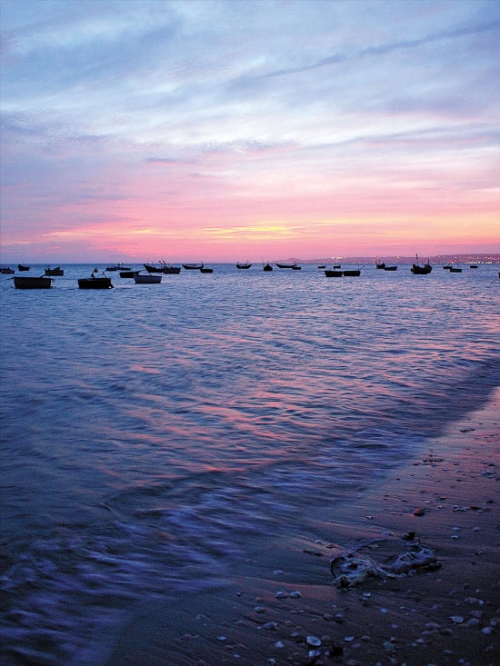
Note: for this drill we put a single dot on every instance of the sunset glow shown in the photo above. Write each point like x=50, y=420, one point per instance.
x=191, y=130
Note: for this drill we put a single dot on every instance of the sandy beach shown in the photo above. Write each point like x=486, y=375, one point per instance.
x=283, y=606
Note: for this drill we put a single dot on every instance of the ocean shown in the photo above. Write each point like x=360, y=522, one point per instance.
x=154, y=435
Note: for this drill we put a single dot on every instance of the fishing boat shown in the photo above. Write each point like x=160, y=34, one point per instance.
x=148, y=278
x=455, y=270
x=390, y=268
x=6, y=270
x=243, y=266
x=447, y=267
x=267, y=267
x=95, y=281
x=417, y=269
x=193, y=267
x=21, y=268
x=128, y=274
x=296, y=268
x=118, y=267
x=379, y=264
x=206, y=270
x=291, y=265
x=333, y=273
x=54, y=271
x=24, y=282
x=152, y=268
x=171, y=270
x=352, y=273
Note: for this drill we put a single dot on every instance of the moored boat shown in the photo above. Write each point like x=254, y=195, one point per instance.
x=21, y=268
x=379, y=264
x=352, y=273
x=267, y=267
x=193, y=267
x=243, y=265
x=118, y=267
x=455, y=270
x=6, y=270
x=334, y=273
x=417, y=269
x=473, y=266
x=171, y=270
x=291, y=265
x=206, y=270
x=148, y=278
x=95, y=283
x=128, y=274
x=24, y=282
x=54, y=271
x=390, y=268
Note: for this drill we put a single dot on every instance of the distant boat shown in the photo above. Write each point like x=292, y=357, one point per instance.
x=336, y=266
x=267, y=267
x=118, y=267
x=352, y=273
x=6, y=270
x=447, y=267
x=379, y=264
x=206, y=270
x=473, y=266
x=243, y=266
x=333, y=273
x=95, y=283
x=21, y=282
x=390, y=268
x=292, y=265
x=171, y=270
x=455, y=270
x=21, y=268
x=193, y=267
x=128, y=274
x=151, y=268
x=417, y=269
x=321, y=266
x=54, y=271
x=147, y=278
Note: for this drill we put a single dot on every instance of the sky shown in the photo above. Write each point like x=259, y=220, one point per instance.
x=248, y=129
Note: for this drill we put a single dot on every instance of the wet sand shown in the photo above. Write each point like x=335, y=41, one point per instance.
x=282, y=606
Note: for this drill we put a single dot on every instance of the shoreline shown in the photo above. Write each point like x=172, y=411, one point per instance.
x=449, y=496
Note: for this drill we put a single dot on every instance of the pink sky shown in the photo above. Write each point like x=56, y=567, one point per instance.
x=192, y=131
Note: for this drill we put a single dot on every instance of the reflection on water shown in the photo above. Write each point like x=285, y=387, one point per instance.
x=153, y=434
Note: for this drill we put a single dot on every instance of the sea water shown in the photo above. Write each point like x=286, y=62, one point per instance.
x=153, y=435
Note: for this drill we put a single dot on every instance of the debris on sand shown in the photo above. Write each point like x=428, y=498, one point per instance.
x=353, y=568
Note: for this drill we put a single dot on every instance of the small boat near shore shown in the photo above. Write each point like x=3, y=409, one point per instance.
x=6, y=270
x=95, y=281
x=21, y=268
x=148, y=278
x=25, y=282
x=58, y=271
